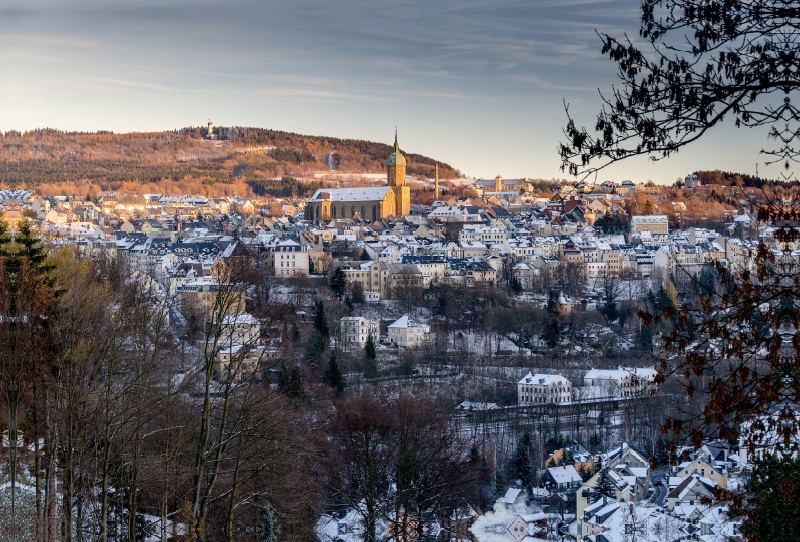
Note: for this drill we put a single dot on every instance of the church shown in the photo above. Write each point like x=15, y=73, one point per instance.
x=369, y=203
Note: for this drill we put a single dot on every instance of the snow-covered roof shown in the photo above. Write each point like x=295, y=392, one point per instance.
x=367, y=193
x=407, y=322
x=564, y=475
x=540, y=379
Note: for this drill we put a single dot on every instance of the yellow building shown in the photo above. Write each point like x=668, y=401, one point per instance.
x=368, y=203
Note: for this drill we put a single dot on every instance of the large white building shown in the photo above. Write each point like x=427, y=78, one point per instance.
x=356, y=329
x=539, y=389
x=291, y=259
x=655, y=224
x=622, y=382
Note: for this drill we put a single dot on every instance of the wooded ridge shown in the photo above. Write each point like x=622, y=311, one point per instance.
x=186, y=160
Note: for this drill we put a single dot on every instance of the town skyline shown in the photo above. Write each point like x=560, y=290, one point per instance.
x=478, y=87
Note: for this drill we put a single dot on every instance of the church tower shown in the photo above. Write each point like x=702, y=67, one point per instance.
x=396, y=179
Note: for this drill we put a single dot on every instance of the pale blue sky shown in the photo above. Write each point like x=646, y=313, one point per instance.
x=477, y=84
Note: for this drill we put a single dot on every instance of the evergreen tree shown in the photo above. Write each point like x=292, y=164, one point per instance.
x=521, y=464
x=365, y=255
x=268, y=527
x=321, y=321
x=338, y=283
x=333, y=375
x=774, y=505
x=290, y=381
x=569, y=457
x=610, y=310
x=604, y=487
x=370, y=368
x=645, y=338
x=552, y=303
x=27, y=245
x=370, y=352
x=595, y=442
x=314, y=348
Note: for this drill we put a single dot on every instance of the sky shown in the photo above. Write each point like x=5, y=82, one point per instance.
x=478, y=84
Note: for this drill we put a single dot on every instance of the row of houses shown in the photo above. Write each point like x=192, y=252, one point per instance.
x=599, y=384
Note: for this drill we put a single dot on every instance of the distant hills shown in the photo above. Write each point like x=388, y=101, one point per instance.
x=186, y=160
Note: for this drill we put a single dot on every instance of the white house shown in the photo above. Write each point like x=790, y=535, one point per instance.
x=409, y=331
x=537, y=389
x=356, y=329
x=291, y=259
x=622, y=382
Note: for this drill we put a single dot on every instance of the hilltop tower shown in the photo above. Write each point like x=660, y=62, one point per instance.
x=436, y=185
x=396, y=179
x=498, y=184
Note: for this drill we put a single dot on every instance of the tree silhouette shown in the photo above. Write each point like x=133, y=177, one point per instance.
x=521, y=465
x=333, y=374
x=338, y=283
x=321, y=320
x=706, y=60
x=370, y=352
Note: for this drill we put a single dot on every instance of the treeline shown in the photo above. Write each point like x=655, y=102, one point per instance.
x=726, y=178
x=40, y=171
x=285, y=187
x=47, y=156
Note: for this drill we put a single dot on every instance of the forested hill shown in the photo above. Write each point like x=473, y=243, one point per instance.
x=185, y=160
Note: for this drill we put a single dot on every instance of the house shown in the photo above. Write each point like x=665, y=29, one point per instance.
x=563, y=477
x=356, y=329
x=705, y=469
x=655, y=224
x=538, y=389
x=610, y=520
x=291, y=259
x=240, y=329
x=403, y=277
x=621, y=382
x=237, y=362
x=581, y=458
x=408, y=331
x=627, y=455
x=583, y=497
x=687, y=496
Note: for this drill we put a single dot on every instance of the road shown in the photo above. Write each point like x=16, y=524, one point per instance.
x=660, y=491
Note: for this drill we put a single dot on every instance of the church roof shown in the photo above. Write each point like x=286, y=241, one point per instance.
x=365, y=193
x=396, y=158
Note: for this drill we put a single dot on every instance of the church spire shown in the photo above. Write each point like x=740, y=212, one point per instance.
x=396, y=146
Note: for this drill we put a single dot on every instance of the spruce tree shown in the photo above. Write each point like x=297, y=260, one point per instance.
x=268, y=527
x=369, y=348
x=521, y=464
x=314, y=348
x=333, y=375
x=604, y=487
x=321, y=320
x=338, y=283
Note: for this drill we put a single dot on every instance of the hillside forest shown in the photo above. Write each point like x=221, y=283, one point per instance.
x=185, y=161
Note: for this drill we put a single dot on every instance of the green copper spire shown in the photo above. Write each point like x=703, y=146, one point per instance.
x=396, y=158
